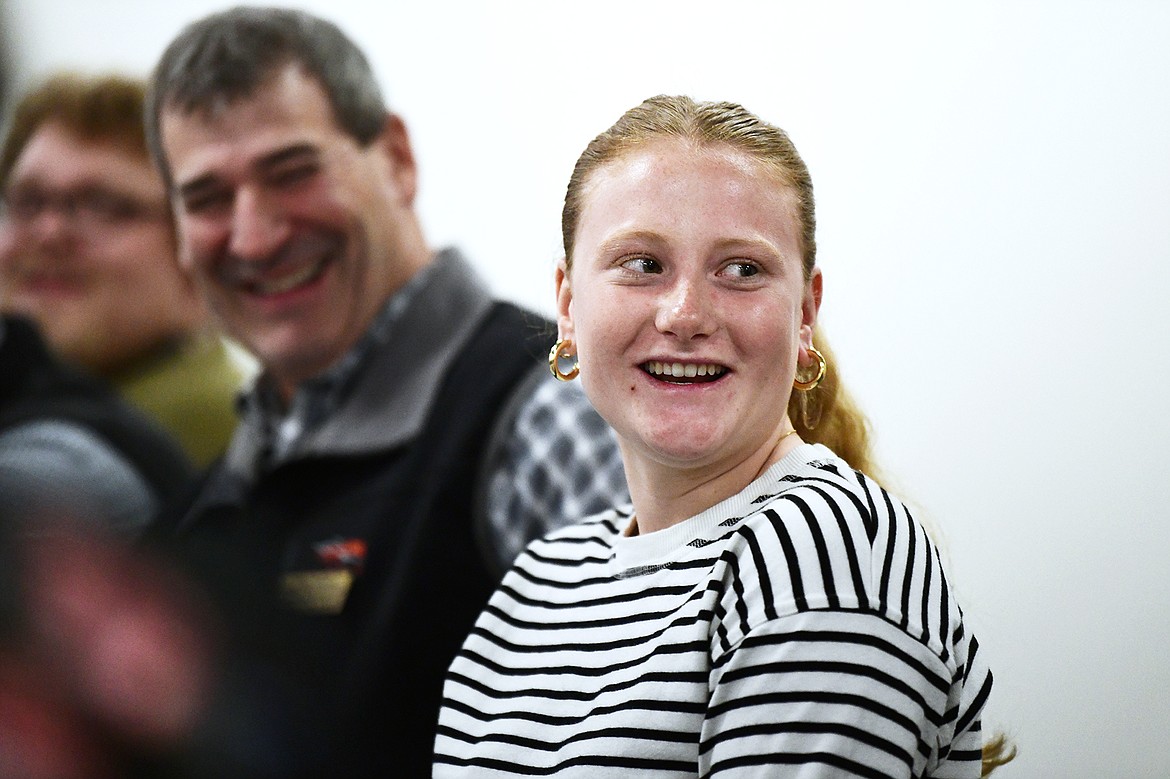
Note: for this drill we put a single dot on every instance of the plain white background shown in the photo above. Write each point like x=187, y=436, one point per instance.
x=993, y=185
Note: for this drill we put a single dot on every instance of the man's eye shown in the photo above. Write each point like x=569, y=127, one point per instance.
x=642, y=265
x=204, y=202
x=742, y=269
x=294, y=174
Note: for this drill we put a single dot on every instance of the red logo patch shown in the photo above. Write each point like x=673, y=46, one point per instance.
x=347, y=553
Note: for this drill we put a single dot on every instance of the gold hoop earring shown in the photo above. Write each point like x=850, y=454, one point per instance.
x=805, y=386
x=562, y=350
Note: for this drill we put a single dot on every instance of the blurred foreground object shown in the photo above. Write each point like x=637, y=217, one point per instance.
x=104, y=659
x=69, y=445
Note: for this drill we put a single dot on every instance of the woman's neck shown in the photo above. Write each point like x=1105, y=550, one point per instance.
x=664, y=495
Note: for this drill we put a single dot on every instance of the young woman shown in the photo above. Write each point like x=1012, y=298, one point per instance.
x=763, y=608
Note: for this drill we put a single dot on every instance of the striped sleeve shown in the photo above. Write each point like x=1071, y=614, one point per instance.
x=837, y=647
x=826, y=693
x=971, y=687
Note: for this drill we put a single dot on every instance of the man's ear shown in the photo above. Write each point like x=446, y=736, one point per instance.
x=810, y=306
x=394, y=142
x=564, y=301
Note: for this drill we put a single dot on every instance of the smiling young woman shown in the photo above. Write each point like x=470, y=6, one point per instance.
x=763, y=604
x=687, y=258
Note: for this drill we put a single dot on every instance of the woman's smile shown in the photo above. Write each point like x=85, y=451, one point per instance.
x=684, y=372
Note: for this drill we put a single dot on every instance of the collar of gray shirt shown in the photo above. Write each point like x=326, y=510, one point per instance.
x=378, y=394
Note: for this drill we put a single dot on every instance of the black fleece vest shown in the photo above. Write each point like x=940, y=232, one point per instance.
x=35, y=386
x=369, y=679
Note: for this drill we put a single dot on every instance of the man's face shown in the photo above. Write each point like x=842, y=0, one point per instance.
x=295, y=233
x=87, y=250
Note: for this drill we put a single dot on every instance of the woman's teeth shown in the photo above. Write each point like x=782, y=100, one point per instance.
x=679, y=370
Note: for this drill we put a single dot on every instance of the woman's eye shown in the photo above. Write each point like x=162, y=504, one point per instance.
x=642, y=265
x=742, y=269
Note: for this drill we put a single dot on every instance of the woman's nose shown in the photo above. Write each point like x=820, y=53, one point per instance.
x=686, y=310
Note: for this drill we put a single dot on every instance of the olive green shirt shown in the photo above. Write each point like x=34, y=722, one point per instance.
x=190, y=389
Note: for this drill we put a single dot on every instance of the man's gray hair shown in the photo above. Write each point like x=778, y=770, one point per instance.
x=228, y=55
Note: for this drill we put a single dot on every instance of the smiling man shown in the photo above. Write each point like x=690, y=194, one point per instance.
x=296, y=231
x=403, y=439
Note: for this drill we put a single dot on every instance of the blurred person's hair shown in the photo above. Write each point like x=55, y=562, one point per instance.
x=96, y=109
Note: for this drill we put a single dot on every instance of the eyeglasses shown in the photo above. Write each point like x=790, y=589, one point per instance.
x=91, y=208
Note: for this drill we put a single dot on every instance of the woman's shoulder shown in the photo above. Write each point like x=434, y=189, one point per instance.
x=829, y=537
x=818, y=498
x=825, y=502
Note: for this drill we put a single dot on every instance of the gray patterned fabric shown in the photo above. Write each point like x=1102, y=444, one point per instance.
x=556, y=463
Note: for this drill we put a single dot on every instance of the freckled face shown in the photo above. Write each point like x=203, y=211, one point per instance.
x=687, y=302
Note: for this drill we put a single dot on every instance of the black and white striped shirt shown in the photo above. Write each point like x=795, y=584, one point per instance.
x=801, y=628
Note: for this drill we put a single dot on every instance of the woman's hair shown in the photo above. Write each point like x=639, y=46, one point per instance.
x=826, y=414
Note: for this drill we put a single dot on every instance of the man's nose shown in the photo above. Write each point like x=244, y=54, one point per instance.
x=258, y=226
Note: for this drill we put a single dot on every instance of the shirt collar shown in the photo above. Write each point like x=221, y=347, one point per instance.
x=282, y=428
x=378, y=393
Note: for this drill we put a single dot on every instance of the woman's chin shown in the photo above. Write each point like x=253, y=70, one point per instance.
x=682, y=452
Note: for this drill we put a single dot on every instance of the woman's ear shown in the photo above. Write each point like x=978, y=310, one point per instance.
x=564, y=301
x=810, y=306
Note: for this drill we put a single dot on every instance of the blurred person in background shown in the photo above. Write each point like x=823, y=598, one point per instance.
x=104, y=659
x=87, y=251
x=68, y=445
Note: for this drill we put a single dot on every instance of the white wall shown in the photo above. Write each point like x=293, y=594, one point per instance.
x=994, y=192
